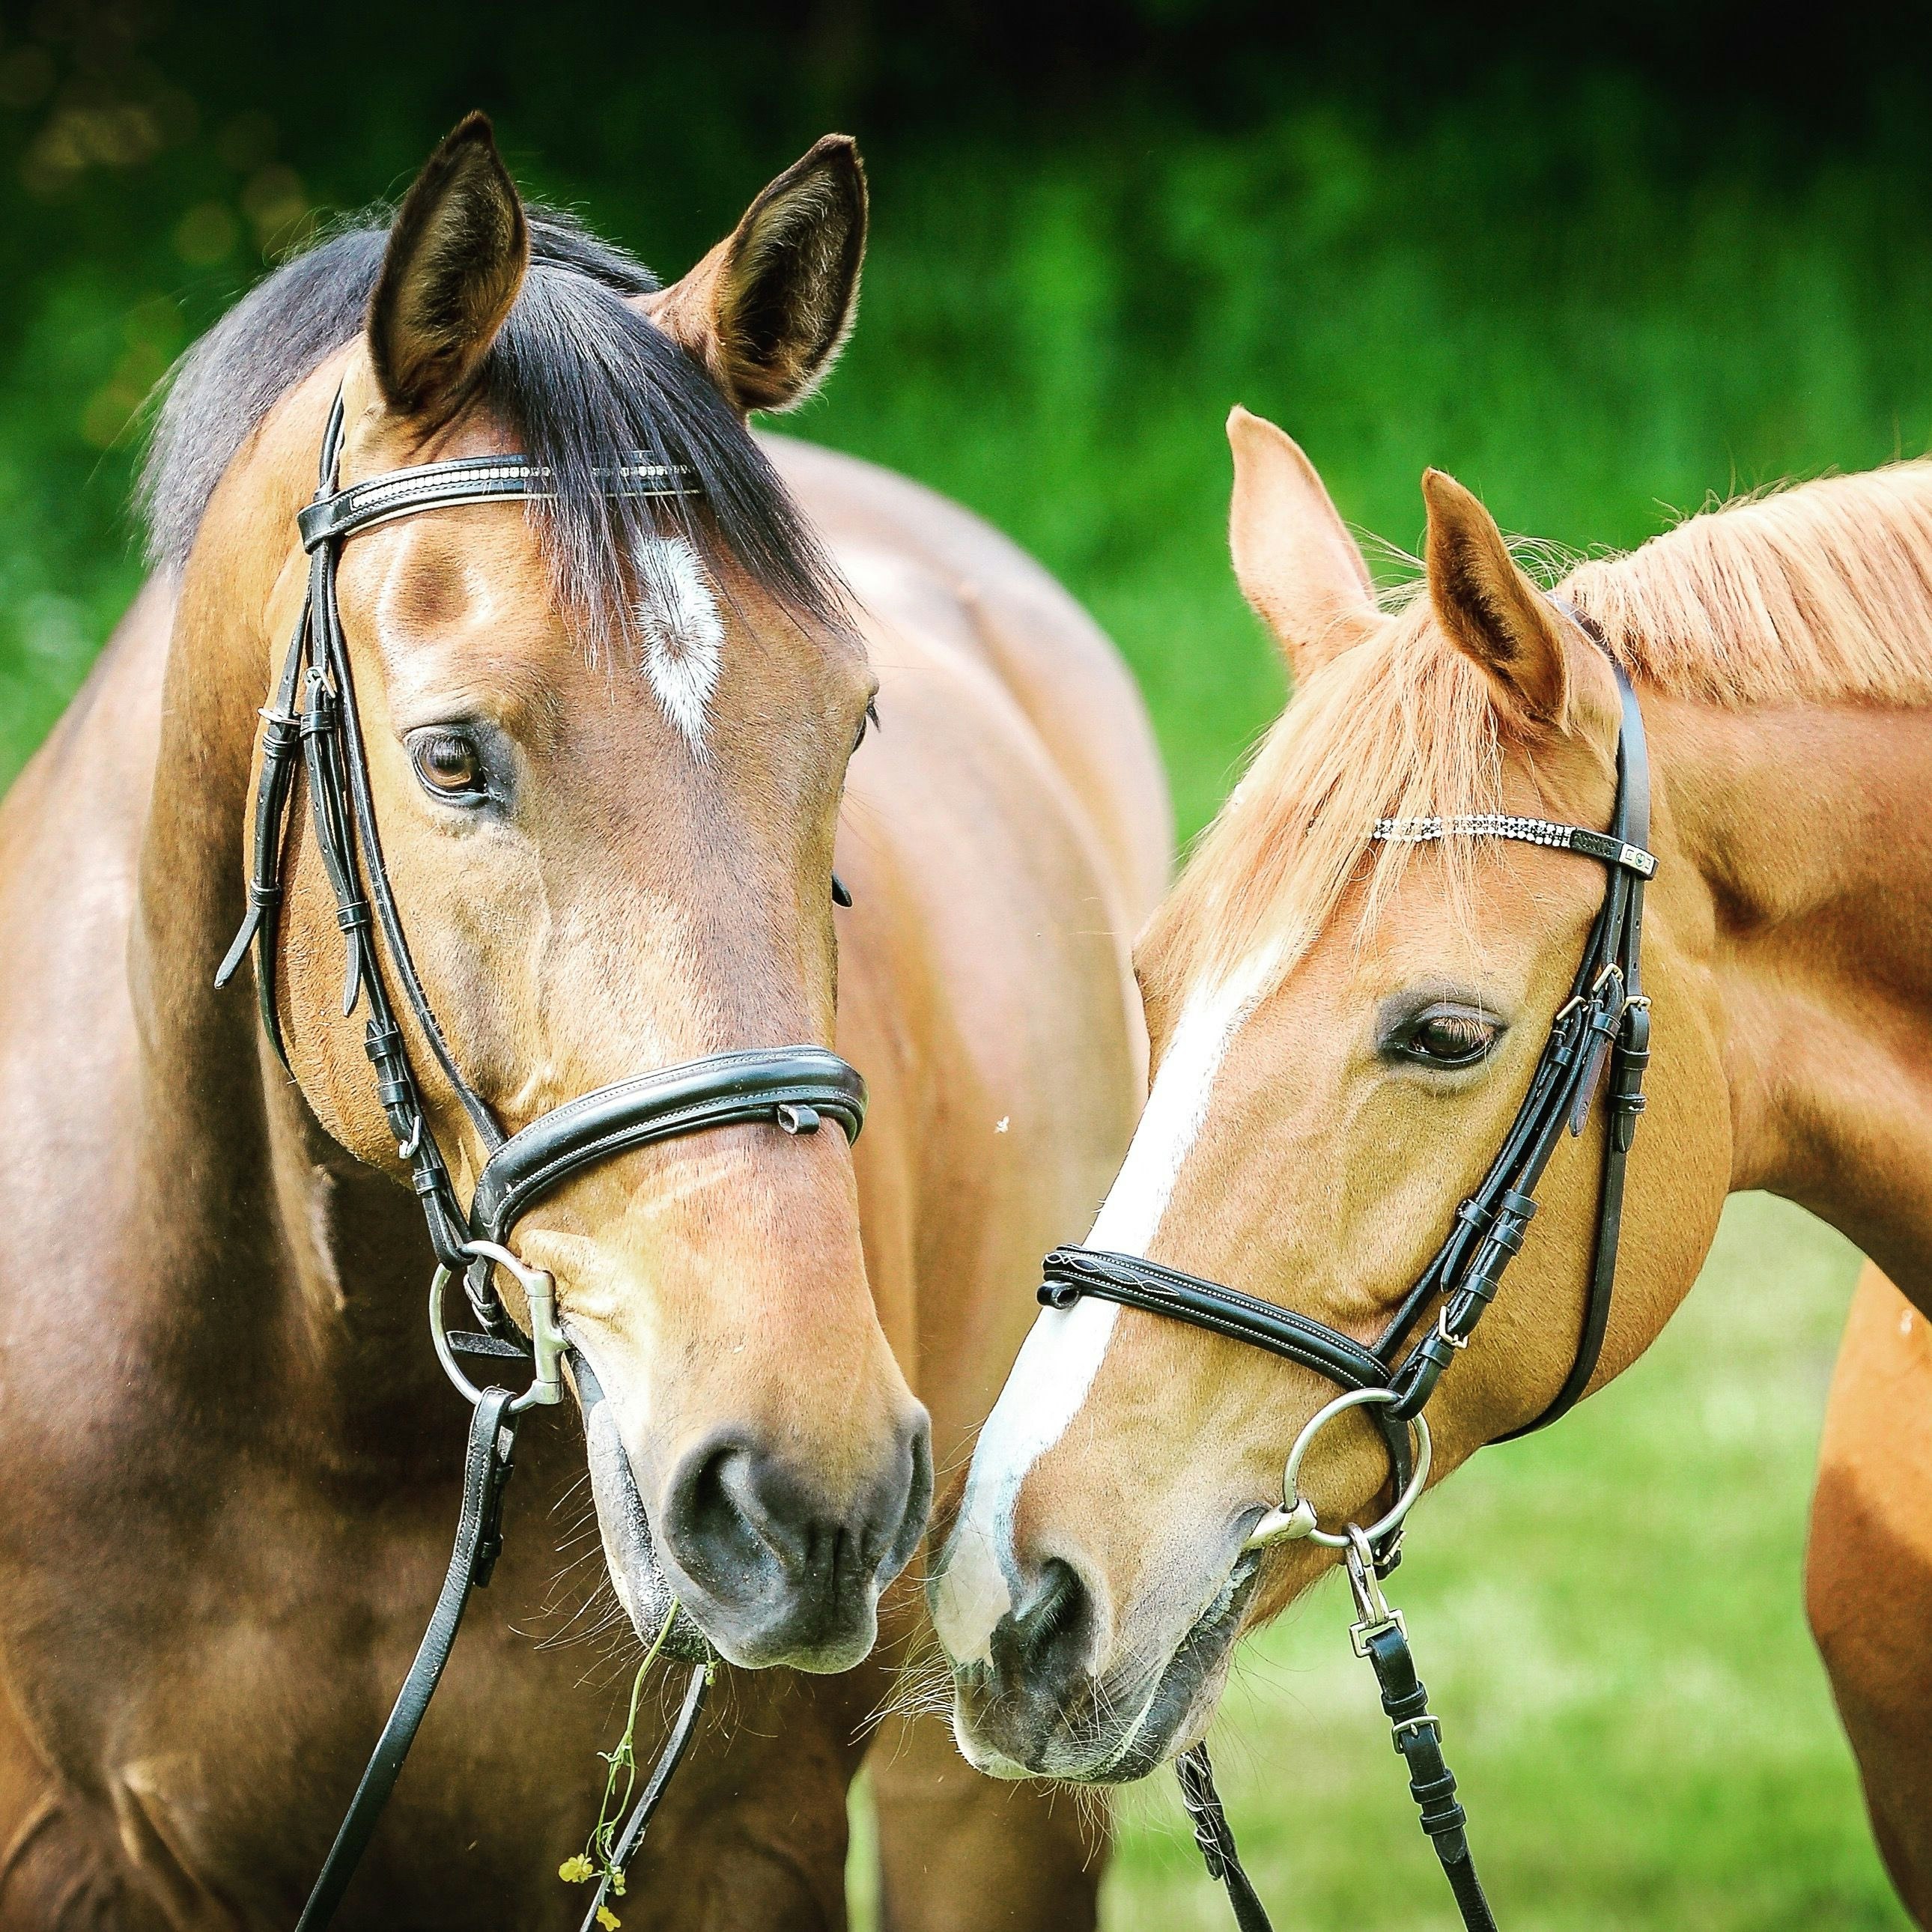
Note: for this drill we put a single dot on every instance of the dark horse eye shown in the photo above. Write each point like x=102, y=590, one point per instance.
x=1450, y=1036
x=448, y=764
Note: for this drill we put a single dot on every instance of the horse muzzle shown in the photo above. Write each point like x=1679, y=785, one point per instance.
x=762, y=1566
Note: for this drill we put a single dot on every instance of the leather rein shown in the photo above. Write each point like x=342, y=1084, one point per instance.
x=312, y=720
x=1604, y=1022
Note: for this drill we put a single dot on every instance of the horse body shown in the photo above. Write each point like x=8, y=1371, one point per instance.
x=1342, y=1032
x=230, y=1458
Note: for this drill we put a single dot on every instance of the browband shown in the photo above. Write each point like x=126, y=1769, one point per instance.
x=1527, y=831
x=474, y=479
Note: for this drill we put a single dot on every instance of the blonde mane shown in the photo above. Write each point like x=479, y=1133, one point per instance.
x=1821, y=593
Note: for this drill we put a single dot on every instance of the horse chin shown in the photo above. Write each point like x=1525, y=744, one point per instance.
x=1142, y=1727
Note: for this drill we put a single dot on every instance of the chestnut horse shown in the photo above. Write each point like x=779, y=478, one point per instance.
x=1343, y=1030
x=610, y=748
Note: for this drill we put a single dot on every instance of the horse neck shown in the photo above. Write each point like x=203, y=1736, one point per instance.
x=309, y=1256
x=1806, y=827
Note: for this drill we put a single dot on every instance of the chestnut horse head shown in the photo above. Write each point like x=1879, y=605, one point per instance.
x=1343, y=1031
x=608, y=738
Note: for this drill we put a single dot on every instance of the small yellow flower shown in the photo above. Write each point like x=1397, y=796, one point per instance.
x=575, y=1871
x=616, y=1882
x=608, y=1918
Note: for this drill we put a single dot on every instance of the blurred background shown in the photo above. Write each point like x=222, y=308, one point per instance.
x=1602, y=264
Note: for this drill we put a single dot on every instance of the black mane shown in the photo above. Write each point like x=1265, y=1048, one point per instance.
x=577, y=375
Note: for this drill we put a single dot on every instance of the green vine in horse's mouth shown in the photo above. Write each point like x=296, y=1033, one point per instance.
x=598, y=1859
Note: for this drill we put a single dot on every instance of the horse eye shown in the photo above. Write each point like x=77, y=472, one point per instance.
x=870, y=716
x=449, y=766
x=1450, y=1036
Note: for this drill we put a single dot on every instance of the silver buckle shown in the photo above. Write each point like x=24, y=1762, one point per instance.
x=1374, y=1613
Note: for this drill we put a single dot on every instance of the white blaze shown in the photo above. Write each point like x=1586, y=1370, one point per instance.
x=683, y=633
x=1063, y=1353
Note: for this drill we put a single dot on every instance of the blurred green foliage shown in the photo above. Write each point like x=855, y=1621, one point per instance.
x=1600, y=275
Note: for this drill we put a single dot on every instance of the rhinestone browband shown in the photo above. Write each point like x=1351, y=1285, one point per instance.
x=1525, y=831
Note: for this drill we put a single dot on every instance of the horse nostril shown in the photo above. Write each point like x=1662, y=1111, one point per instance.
x=889, y=1545
x=722, y=1521
x=1046, y=1640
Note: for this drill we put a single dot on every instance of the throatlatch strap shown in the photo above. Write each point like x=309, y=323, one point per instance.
x=486, y=1469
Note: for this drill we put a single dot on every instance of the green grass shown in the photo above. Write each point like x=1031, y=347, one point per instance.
x=1585, y=305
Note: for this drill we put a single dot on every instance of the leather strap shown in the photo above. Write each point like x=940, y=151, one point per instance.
x=1417, y=1735
x=791, y=1086
x=1070, y=1273
x=682, y=1732
x=486, y=1469
x=471, y=479
x=1216, y=1837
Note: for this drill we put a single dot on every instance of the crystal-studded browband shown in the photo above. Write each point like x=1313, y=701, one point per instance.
x=475, y=479
x=1527, y=831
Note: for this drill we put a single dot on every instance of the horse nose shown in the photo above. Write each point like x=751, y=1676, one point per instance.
x=778, y=1571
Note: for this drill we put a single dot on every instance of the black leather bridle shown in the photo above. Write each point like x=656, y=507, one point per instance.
x=1605, y=1019
x=313, y=717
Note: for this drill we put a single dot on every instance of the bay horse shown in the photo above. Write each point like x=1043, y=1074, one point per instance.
x=1344, y=1024
x=615, y=752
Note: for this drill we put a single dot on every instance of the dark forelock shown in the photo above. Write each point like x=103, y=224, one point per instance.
x=579, y=376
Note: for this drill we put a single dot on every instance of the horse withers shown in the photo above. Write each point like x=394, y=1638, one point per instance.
x=1346, y=1020
x=611, y=743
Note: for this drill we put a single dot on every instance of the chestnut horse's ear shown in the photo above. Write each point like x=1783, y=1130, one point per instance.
x=1293, y=557
x=769, y=309
x=1490, y=610
x=458, y=251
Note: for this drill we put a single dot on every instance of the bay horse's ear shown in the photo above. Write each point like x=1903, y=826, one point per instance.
x=769, y=309
x=1294, y=558
x=1490, y=610
x=458, y=251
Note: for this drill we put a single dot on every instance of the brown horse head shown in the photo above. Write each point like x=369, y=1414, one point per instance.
x=607, y=739
x=1343, y=1032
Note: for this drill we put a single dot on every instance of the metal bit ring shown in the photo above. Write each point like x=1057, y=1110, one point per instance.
x=547, y=1340
x=1296, y=1518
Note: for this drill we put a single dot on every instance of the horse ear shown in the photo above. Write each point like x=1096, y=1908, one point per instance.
x=1294, y=558
x=769, y=309
x=1491, y=611
x=458, y=251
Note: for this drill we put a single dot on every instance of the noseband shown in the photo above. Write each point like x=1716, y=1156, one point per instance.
x=314, y=718
x=1605, y=1020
